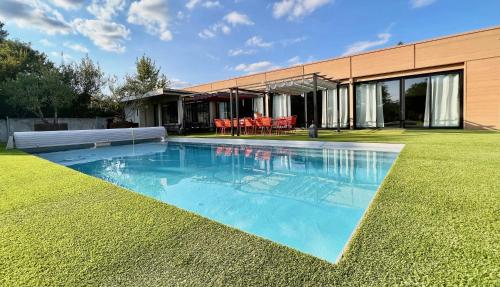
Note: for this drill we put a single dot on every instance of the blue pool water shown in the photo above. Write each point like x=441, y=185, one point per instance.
x=307, y=199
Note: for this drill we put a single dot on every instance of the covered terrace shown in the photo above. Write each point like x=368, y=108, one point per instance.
x=299, y=95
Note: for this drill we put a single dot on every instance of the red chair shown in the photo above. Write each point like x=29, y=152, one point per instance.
x=235, y=125
x=249, y=126
x=227, y=125
x=279, y=125
x=291, y=122
x=258, y=125
x=266, y=124
x=219, y=126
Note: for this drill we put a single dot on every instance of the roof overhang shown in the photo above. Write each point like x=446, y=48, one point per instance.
x=300, y=85
x=162, y=92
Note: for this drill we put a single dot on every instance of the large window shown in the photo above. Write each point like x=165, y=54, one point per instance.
x=416, y=90
x=445, y=101
x=427, y=101
x=391, y=95
x=170, y=113
x=378, y=104
x=281, y=106
x=329, y=108
x=197, y=114
x=223, y=110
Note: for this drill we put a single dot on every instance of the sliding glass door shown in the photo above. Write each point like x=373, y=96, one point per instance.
x=444, y=101
x=281, y=106
x=391, y=107
x=429, y=101
x=329, y=108
x=416, y=90
x=378, y=104
x=433, y=101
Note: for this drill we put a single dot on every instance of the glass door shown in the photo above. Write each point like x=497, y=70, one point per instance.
x=416, y=102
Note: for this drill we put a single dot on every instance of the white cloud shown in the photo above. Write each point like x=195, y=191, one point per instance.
x=106, y=9
x=206, y=34
x=255, y=67
x=421, y=3
x=46, y=43
x=152, y=14
x=234, y=18
x=294, y=61
x=240, y=52
x=68, y=4
x=211, y=4
x=109, y=36
x=212, y=31
x=361, y=46
x=288, y=42
x=257, y=41
x=191, y=4
x=33, y=14
x=296, y=9
x=178, y=84
x=76, y=47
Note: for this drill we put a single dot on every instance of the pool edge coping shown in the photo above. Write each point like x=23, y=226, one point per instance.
x=382, y=147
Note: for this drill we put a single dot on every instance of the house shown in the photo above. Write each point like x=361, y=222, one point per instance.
x=447, y=82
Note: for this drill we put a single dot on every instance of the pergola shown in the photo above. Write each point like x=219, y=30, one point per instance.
x=298, y=85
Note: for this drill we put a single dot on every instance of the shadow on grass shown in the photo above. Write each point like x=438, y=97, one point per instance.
x=4, y=151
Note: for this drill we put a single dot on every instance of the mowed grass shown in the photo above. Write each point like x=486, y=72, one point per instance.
x=435, y=221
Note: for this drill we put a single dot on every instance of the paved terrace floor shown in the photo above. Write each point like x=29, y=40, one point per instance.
x=435, y=221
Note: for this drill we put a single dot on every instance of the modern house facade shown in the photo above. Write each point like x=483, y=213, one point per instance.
x=447, y=82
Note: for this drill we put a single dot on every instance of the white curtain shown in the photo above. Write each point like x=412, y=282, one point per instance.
x=222, y=110
x=258, y=105
x=281, y=106
x=380, y=107
x=444, y=101
x=369, y=106
x=329, y=108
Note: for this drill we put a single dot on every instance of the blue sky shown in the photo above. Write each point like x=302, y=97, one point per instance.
x=197, y=41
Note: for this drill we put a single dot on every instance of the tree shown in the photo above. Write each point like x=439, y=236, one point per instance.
x=88, y=81
x=3, y=33
x=39, y=93
x=17, y=57
x=147, y=78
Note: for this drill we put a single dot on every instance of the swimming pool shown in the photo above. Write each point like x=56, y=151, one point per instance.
x=309, y=199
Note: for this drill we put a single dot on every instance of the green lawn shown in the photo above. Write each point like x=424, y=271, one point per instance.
x=435, y=221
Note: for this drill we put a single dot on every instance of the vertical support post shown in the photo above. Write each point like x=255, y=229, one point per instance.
x=231, y=111
x=238, y=112
x=338, y=108
x=160, y=115
x=305, y=110
x=315, y=99
x=266, y=104
x=182, y=116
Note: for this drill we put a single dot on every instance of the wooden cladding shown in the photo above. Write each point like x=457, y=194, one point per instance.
x=483, y=94
x=338, y=68
x=461, y=48
x=385, y=61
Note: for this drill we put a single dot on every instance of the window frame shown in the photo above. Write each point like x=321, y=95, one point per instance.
x=402, y=102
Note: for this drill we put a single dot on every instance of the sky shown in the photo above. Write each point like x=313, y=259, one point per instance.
x=199, y=41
